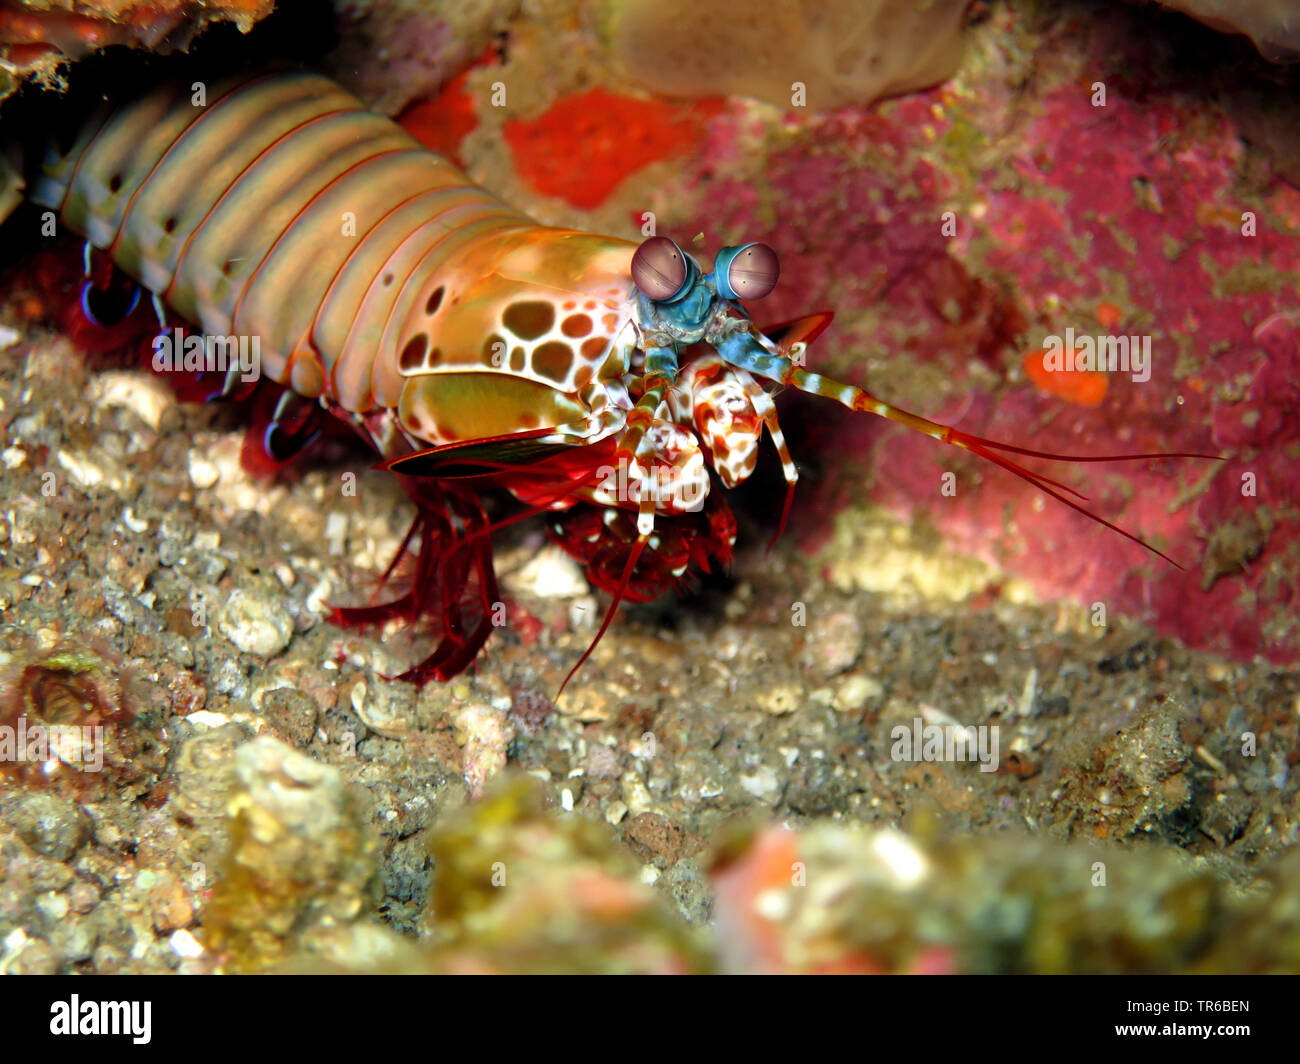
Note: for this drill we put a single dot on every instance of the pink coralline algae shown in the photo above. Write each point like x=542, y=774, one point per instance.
x=1112, y=194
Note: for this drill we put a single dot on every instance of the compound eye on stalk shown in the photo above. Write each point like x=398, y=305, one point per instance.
x=660, y=270
x=747, y=272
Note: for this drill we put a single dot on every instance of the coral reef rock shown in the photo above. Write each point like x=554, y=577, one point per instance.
x=38, y=36
x=1274, y=25
x=840, y=900
x=842, y=52
x=301, y=857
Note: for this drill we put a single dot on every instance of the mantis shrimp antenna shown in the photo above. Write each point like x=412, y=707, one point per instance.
x=745, y=352
x=995, y=452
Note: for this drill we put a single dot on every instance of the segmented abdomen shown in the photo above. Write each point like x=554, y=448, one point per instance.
x=278, y=208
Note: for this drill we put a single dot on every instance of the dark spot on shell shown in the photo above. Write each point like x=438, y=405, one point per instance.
x=115, y=183
x=576, y=325
x=435, y=300
x=412, y=356
x=595, y=347
x=529, y=319
x=388, y=279
x=553, y=361
x=518, y=360
x=494, y=351
x=169, y=226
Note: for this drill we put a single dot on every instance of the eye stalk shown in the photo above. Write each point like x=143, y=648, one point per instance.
x=747, y=272
x=661, y=270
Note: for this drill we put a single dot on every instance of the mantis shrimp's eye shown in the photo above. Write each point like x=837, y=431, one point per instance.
x=660, y=269
x=746, y=272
